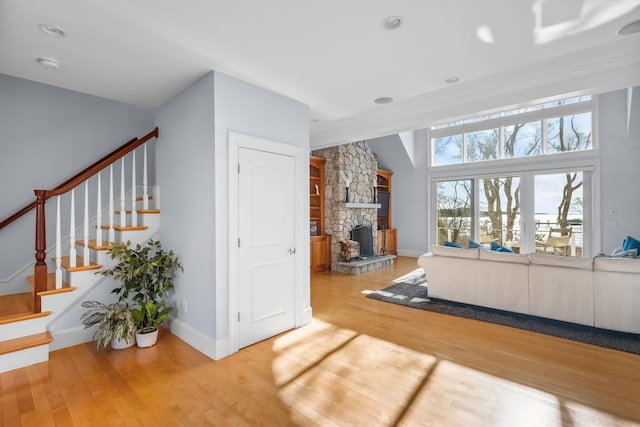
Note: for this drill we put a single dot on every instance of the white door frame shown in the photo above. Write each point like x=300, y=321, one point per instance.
x=237, y=141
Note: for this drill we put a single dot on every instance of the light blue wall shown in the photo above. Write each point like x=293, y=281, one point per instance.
x=47, y=135
x=185, y=174
x=409, y=190
x=620, y=156
x=193, y=178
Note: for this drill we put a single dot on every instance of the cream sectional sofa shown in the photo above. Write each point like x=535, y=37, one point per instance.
x=600, y=292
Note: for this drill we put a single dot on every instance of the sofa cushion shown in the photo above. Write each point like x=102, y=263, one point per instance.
x=631, y=243
x=621, y=265
x=452, y=244
x=476, y=245
x=454, y=252
x=499, y=248
x=504, y=257
x=562, y=261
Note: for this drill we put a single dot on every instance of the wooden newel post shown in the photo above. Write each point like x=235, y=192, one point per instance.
x=40, y=269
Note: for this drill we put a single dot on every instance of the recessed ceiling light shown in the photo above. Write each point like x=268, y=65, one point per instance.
x=392, y=22
x=453, y=79
x=630, y=28
x=49, y=63
x=383, y=100
x=51, y=30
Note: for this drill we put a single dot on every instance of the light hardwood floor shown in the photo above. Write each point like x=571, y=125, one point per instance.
x=361, y=362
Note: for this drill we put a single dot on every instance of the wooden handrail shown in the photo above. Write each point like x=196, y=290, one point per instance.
x=84, y=175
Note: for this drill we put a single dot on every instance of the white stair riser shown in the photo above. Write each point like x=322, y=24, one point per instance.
x=150, y=220
x=135, y=236
x=23, y=328
x=22, y=358
x=81, y=279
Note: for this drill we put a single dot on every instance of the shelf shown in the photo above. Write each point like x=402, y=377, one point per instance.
x=364, y=205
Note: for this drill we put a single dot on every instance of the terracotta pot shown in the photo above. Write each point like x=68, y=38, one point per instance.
x=146, y=340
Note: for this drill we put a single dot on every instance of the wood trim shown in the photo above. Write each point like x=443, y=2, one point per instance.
x=24, y=343
x=24, y=316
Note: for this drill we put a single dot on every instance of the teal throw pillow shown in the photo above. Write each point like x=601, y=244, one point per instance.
x=629, y=253
x=499, y=248
x=452, y=244
x=475, y=245
x=630, y=243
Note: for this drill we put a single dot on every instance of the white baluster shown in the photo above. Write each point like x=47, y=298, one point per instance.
x=123, y=212
x=134, y=212
x=72, y=233
x=58, y=248
x=99, y=213
x=145, y=187
x=85, y=252
x=111, y=236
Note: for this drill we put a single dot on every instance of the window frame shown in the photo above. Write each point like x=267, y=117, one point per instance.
x=526, y=168
x=501, y=122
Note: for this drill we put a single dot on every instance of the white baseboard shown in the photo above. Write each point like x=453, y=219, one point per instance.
x=411, y=252
x=201, y=342
x=69, y=337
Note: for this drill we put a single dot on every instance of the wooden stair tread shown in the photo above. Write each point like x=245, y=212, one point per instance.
x=23, y=343
x=51, y=284
x=22, y=316
x=140, y=211
x=92, y=245
x=129, y=228
x=79, y=267
x=14, y=304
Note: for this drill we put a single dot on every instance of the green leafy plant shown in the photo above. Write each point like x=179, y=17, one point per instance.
x=150, y=315
x=115, y=321
x=146, y=273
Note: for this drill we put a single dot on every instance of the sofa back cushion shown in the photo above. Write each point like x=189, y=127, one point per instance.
x=583, y=263
x=504, y=257
x=454, y=252
x=620, y=265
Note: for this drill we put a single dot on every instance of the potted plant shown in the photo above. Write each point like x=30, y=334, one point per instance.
x=146, y=272
x=116, y=325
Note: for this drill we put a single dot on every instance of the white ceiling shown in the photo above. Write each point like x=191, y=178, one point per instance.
x=332, y=55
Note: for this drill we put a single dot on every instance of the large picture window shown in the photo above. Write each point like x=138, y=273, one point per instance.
x=521, y=178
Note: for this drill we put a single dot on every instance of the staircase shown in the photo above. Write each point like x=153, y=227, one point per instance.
x=47, y=315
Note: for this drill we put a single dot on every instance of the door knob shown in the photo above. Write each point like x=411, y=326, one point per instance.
x=291, y=251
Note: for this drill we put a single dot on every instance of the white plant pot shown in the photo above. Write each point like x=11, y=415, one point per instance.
x=146, y=340
x=124, y=343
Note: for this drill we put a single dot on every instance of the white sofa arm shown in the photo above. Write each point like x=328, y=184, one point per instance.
x=616, y=284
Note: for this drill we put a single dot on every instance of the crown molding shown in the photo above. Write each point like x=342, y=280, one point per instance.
x=589, y=71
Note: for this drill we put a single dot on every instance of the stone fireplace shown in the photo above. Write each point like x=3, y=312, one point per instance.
x=350, y=176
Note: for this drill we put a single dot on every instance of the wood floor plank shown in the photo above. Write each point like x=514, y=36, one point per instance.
x=360, y=362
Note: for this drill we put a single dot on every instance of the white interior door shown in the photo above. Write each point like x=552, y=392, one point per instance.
x=266, y=251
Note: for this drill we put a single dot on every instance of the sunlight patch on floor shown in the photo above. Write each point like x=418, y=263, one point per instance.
x=375, y=377
x=410, y=276
x=333, y=376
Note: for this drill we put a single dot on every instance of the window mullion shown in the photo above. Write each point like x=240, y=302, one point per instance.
x=543, y=137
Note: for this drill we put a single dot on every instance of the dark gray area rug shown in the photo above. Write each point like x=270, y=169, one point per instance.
x=413, y=293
